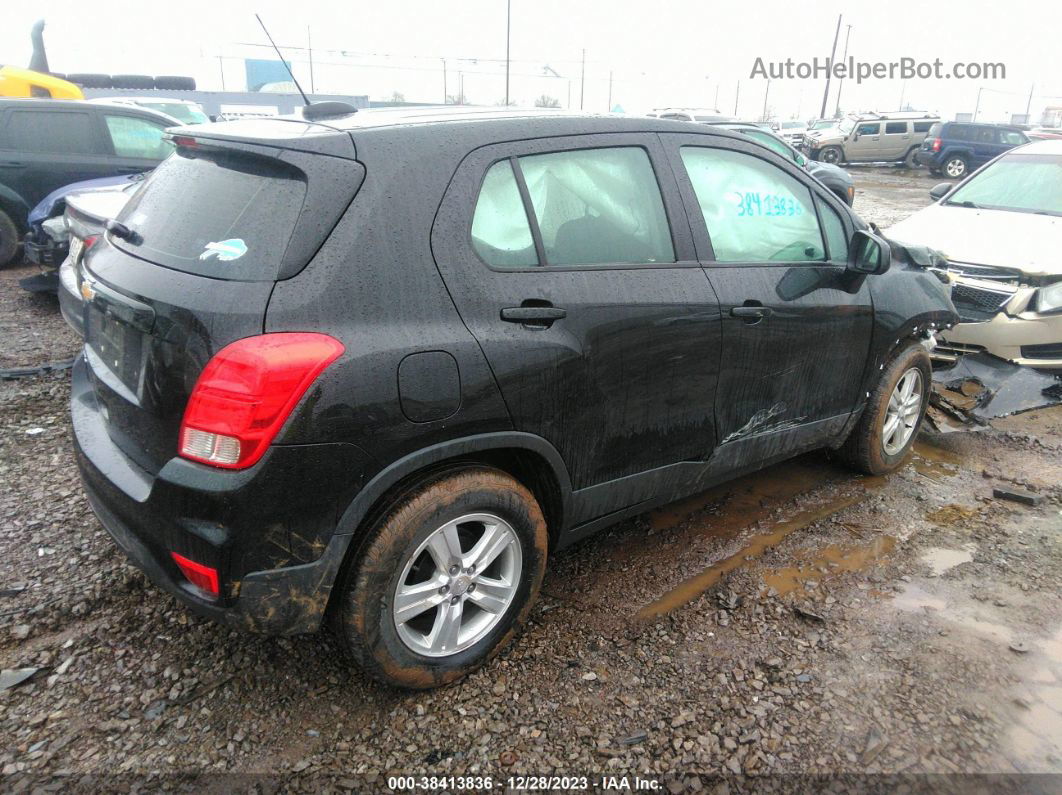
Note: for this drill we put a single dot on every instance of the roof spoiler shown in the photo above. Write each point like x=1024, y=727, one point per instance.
x=324, y=110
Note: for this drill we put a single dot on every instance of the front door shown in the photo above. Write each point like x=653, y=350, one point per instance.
x=571, y=261
x=865, y=143
x=796, y=324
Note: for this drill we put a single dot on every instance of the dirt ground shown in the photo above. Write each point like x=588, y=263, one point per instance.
x=802, y=620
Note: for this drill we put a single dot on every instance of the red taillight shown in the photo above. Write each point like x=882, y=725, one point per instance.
x=187, y=141
x=246, y=392
x=200, y=576
x=936, y=144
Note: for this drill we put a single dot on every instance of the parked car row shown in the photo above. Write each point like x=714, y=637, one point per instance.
x=48, y=144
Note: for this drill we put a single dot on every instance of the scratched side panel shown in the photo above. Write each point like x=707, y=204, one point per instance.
x=802, y=363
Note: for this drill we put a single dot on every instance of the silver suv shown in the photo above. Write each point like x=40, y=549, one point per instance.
x=871, y=138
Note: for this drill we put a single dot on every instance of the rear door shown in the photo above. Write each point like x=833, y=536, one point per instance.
x=42, y=149
x=571, y=262
x=796, y=324
x=896, y=139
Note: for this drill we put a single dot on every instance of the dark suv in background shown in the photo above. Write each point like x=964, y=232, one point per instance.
x=954, y=149
x=46, y=144
x=377, y=367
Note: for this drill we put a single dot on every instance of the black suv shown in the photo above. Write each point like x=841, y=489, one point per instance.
x=377, y=367
x=46, y=144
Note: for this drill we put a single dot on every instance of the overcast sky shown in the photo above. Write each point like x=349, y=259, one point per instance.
x=684, y=52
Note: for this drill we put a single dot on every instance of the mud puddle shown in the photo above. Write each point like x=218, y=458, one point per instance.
x=817, y=565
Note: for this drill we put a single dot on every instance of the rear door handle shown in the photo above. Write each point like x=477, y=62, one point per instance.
x=533, y=315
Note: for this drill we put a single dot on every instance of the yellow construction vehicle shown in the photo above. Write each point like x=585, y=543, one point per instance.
x=15, y=82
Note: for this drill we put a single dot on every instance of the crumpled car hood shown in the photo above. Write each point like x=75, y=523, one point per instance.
x=1028, y=242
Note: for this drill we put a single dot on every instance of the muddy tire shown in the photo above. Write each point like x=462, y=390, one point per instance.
x=444, y=580
x=893, y=415
x=911, y=160
x=8, y=239
x=830, y=154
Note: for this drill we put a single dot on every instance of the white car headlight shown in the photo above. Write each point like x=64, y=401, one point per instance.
x=1049, y=298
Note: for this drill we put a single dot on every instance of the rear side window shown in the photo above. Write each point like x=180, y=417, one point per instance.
x=924, y=126
x=895, y=127
x=55, y=131
x=598, y=207
x=960, y=132
x=754, y=211
x=133, y=137
x=228, y=217
x=501, y=234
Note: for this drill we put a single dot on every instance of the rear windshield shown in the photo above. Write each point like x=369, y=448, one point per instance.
x=227, y=217
x=934, y=131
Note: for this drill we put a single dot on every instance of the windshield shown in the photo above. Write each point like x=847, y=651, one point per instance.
x=845, y=126
x=824, y=125
x=1019, y=183
x=792, y=125
x=189, y=114
x=201, y=215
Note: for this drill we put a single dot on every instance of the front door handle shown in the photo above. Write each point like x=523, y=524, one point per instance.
x=751, y=314
x=533, y=315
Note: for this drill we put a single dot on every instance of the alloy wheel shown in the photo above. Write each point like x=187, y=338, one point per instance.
x=955, y=168
x=901, y=416
x=457, y=585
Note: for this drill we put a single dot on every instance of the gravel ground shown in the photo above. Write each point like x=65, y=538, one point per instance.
x=800, y=620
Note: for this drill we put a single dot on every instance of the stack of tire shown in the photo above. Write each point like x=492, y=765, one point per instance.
x=164, y=82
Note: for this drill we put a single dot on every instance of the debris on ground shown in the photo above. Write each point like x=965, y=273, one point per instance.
x=13, y=677
x=1017, y=495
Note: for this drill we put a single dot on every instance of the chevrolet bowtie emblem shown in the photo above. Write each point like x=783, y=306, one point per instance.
x=87, y=292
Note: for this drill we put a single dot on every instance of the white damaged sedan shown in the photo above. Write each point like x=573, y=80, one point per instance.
x=1001, y=231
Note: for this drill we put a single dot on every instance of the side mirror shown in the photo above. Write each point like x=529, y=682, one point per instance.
x=940, y=190
x=800, y=159
x=868, y=253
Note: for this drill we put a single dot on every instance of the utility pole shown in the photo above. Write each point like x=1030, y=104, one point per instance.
x=445, y=87
x=903, y=90
x=977, y=107
x=582, y=81
x=840, y=83
x=508, y=28
x=833, y=54
x=766, y=93
x=715, y=107
x=1028, y=105
x=309, y=49
x=609, y=90
x=221, y=68
x=737, y=95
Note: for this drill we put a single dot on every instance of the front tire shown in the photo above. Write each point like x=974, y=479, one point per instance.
x=893, y=414
x=445, y=579
x=831, y=154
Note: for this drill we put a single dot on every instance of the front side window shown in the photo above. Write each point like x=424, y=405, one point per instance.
x=836, y=237
x=133, y=137
x=598, y=206
x=754, y=211
x=868, y=129
x=770, y=141
x=501, y=234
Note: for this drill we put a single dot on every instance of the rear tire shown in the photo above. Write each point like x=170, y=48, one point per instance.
x=8, y=240
x=891, y=419
x=411, y=553
x=175, y=83
x=133, y=81
x=91, y=80
x=911, y=161
x=956, y=167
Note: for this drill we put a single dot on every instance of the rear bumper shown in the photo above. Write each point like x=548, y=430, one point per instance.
x=926, y=158
x=219, y=520
x=70, y=302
